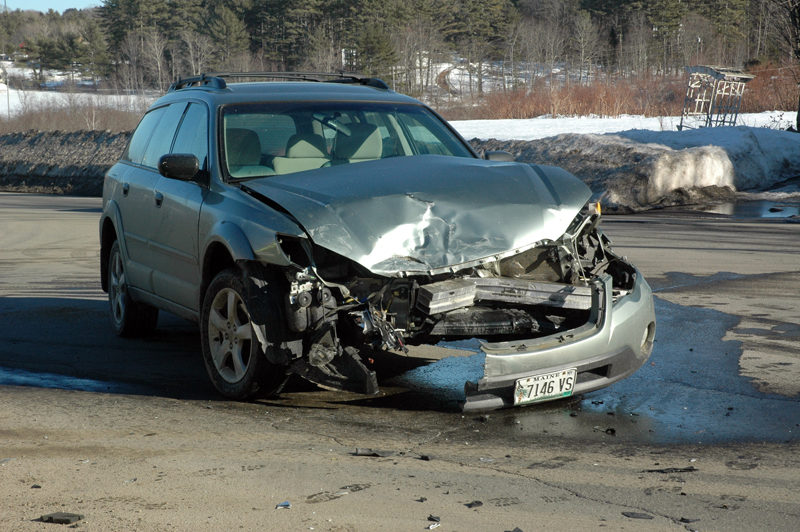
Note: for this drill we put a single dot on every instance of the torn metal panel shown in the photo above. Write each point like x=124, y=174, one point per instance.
x=394, y=220
x=451, y=294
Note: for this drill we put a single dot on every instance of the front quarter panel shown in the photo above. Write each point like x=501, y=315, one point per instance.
x=248, y=228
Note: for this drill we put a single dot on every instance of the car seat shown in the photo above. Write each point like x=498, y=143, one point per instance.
x=243, y=153
x=363, y=144
x=303, y=152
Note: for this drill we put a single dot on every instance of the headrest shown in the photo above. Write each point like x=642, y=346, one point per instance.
x=306, y=146
x=364, y=142
x=242, y=147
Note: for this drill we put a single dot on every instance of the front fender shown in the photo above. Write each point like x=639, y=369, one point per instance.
x=242, y=247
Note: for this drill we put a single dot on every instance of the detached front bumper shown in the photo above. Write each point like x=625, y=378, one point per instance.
x=615, y=342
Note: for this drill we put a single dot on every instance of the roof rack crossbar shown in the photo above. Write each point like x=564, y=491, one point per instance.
x=203, y=80
x=215, y=79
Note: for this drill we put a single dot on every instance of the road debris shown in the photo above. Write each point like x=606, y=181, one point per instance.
x=285, y=505
x=474, y=504
x=670, y=470
x=355, y=487
x=373, y=452
x=637, y=515
x=61, y=518
x=434, y=518
x=432, y=526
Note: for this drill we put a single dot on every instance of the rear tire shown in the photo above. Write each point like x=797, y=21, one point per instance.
x=128, y=318
x=234, y=359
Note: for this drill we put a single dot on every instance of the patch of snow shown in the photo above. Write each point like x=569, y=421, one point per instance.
x=541, y=127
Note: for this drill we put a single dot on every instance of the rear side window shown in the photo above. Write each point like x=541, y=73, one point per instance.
x=142, y=135
x=193, y=134
x=164, y=132
x=153, y=137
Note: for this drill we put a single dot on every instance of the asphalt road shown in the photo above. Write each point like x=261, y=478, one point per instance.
x=707, y=430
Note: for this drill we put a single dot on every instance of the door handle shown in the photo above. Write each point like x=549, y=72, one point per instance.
x=159, y=197
x=126, y=187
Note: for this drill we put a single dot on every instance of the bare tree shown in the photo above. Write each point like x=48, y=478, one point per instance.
x=586, y=43
x=130, y=72
x=636, y=47
x=419, y=47
x=323, y=54
x=155, y=60
x=199, y=50
x=785, y=16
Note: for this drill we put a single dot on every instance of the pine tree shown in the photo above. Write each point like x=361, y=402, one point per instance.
x=228, y=31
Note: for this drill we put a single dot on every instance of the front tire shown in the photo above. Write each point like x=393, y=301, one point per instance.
x=232, y=354
x=128, y=318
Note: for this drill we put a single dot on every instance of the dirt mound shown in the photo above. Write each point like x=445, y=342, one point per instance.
x=57, y=162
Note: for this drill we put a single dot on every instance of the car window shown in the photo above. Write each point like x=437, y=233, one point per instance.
x=282, y=138
x=192, y=135
x=142, y=135
x=273, y=130
x=427, y=134
x=162, y=134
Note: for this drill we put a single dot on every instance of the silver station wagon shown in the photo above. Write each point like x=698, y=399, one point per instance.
x=310, y=221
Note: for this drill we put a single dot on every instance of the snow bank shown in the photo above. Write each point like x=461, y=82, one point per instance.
x=639, y=168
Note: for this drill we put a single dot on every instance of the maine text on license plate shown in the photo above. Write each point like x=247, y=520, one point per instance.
x=545, y=386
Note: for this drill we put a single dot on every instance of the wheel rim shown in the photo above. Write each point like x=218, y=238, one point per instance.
x=229, y=335
x=116, y=287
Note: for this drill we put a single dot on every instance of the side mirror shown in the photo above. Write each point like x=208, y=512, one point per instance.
x=181, y=166
x=499, y=155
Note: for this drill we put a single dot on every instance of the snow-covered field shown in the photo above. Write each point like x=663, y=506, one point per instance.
x=537, y=128
x=13, y=102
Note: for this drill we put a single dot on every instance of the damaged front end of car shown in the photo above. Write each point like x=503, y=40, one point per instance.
x=557, y=316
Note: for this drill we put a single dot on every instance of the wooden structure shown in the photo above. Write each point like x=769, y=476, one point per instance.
x=713, y=96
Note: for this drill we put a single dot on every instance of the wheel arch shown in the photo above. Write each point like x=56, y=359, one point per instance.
x=225, y=246
x=110, y=229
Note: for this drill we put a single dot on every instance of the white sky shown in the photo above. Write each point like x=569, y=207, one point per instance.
x=56, y=5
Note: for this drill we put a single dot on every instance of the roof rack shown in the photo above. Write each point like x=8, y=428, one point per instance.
x=215, y=79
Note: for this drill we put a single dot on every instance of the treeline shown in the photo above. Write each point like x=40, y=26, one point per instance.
x=148, y=43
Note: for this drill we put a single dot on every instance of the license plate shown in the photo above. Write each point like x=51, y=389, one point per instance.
x=545, y=387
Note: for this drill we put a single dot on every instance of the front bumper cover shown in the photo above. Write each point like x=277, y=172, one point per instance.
x=612, y=344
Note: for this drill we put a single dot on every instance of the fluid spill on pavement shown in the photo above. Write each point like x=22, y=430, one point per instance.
x=689, y=391
x=21, y=377
x=445, y=378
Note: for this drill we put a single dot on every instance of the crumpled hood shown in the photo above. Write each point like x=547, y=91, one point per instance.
x=427, y=213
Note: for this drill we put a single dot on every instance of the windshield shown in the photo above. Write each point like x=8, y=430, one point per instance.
x=283, y=138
